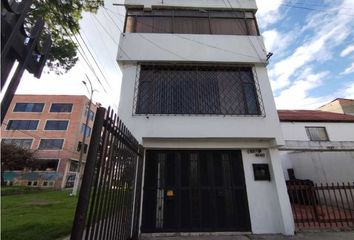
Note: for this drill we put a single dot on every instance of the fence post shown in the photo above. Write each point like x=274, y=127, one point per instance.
x=84, y=196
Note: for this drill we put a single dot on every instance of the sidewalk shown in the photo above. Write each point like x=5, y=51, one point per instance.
x=299, y=236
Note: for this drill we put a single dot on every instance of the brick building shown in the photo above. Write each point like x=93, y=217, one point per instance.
x=53, y=126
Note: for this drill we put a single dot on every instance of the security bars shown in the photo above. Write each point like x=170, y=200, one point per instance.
x=197, y=90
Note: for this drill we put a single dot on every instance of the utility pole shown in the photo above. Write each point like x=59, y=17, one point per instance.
x=80, y=169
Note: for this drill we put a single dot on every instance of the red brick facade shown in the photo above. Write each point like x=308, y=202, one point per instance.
x=71, y=136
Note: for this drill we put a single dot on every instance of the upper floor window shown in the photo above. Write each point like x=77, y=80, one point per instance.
x=79, y=147
x=186, y=89
x=20, y=142
x=317, y=133
x=29, y=107
x=56, y=125
x=22, y=125
x=51, y=144
x=61, y=107
x=88, y=130
x=91, y=114
x=191, y=22
x=45, y=164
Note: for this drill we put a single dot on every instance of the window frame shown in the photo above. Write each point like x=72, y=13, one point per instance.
x=14, y=107
x=317, y=127
x=67, y=126
x=255, y=84
x=87, y=127
x=53, y=103
x=87, y=111
x=139, y=12
x=42, y=159
x=8, y=124
x=57, y=149
x=19, y=138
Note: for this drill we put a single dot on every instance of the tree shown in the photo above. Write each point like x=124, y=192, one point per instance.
x=62, y=19
x=14, y=157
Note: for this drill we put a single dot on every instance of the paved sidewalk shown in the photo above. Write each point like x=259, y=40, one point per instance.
x=299, y=236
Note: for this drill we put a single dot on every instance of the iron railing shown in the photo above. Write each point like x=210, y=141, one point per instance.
x=322, y=205
x=109, y=200
x=197, y=90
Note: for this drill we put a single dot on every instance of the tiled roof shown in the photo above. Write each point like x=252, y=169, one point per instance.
x=313, y=116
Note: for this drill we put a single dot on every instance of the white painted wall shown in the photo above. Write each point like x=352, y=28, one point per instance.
x=323, y=165
x=191, y=48
x=203, y=126
x=336, y=131
x=243, y=4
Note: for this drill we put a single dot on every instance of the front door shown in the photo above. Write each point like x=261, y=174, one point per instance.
x=194, y=191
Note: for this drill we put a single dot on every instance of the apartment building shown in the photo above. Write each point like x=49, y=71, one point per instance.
x=53, y=127
x=196, y=94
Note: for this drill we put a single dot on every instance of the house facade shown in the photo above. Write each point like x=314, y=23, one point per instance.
x=319, y=146
x=339, y=105
x=53, y=127
x=196, y=94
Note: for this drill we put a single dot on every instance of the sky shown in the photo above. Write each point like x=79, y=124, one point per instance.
x=312, y=42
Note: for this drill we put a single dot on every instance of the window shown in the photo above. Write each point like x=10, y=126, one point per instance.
x=74, y=166
x=51, y=144
x=191, y=22
x=184, y=89
x=29, y=107
x=56, y=125
x=44, y=164
x=22, y=125
x=20, y=142
x=61, y=107
x=91, y=114
x=317, y=133
x=88, y=130
x=79, y=147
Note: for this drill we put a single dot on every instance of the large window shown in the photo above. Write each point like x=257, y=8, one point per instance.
x=47, y=164
x=88, y=130
x=56, y=125
x=174, y=89
x=79, y=147
x=20, y=142
x=192, y=22
x=22, y=125
x=29, y=107
x=91, y=114
x=51, y=144
x=61, y=107
x=317, y=133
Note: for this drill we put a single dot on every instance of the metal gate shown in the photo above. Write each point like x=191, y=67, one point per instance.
x=194, y=191
x=109, y=200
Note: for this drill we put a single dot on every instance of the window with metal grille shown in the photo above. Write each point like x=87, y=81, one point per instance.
x=20, y=142
x=61, y=107
x=51, y=144
x=317, y=133
x=22, y=125
x=191, y=22
x=186, y=89
x=56, y=125
x=29, y=107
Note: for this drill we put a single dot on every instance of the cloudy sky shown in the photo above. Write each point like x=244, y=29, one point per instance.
x=312, y=42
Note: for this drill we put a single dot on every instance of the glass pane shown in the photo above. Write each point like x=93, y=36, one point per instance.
x=191, y=25
x=56, y=125
x=144, y=24
x=131, y=24
x=61, y=107
x=252, y=27
x=251, y=99
x=228, y=26
x=227, y=14
x=162, y=25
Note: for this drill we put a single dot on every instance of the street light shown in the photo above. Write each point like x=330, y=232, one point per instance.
x=78, y=176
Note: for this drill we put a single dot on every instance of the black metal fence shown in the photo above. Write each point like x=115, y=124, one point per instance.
x=323, y=205
x=109, y=200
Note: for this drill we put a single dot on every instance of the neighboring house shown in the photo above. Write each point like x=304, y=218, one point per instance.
x=319, y=145
x=196, y=94
x=53, y=126
x=339, y=105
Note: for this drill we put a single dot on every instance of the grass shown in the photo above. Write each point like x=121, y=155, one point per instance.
x=41, y=215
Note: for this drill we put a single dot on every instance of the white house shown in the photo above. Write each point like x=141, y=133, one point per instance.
x=319, y=145
x=196, y=94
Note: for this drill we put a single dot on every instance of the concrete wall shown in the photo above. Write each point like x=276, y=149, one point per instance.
x=191, y=48
x=336, y=131
x=320, y=162
x=243, y=4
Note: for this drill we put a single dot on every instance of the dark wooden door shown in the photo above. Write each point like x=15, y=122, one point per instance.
x=194, y=191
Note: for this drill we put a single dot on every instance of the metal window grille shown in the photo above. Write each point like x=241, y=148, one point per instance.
x=197, y=90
